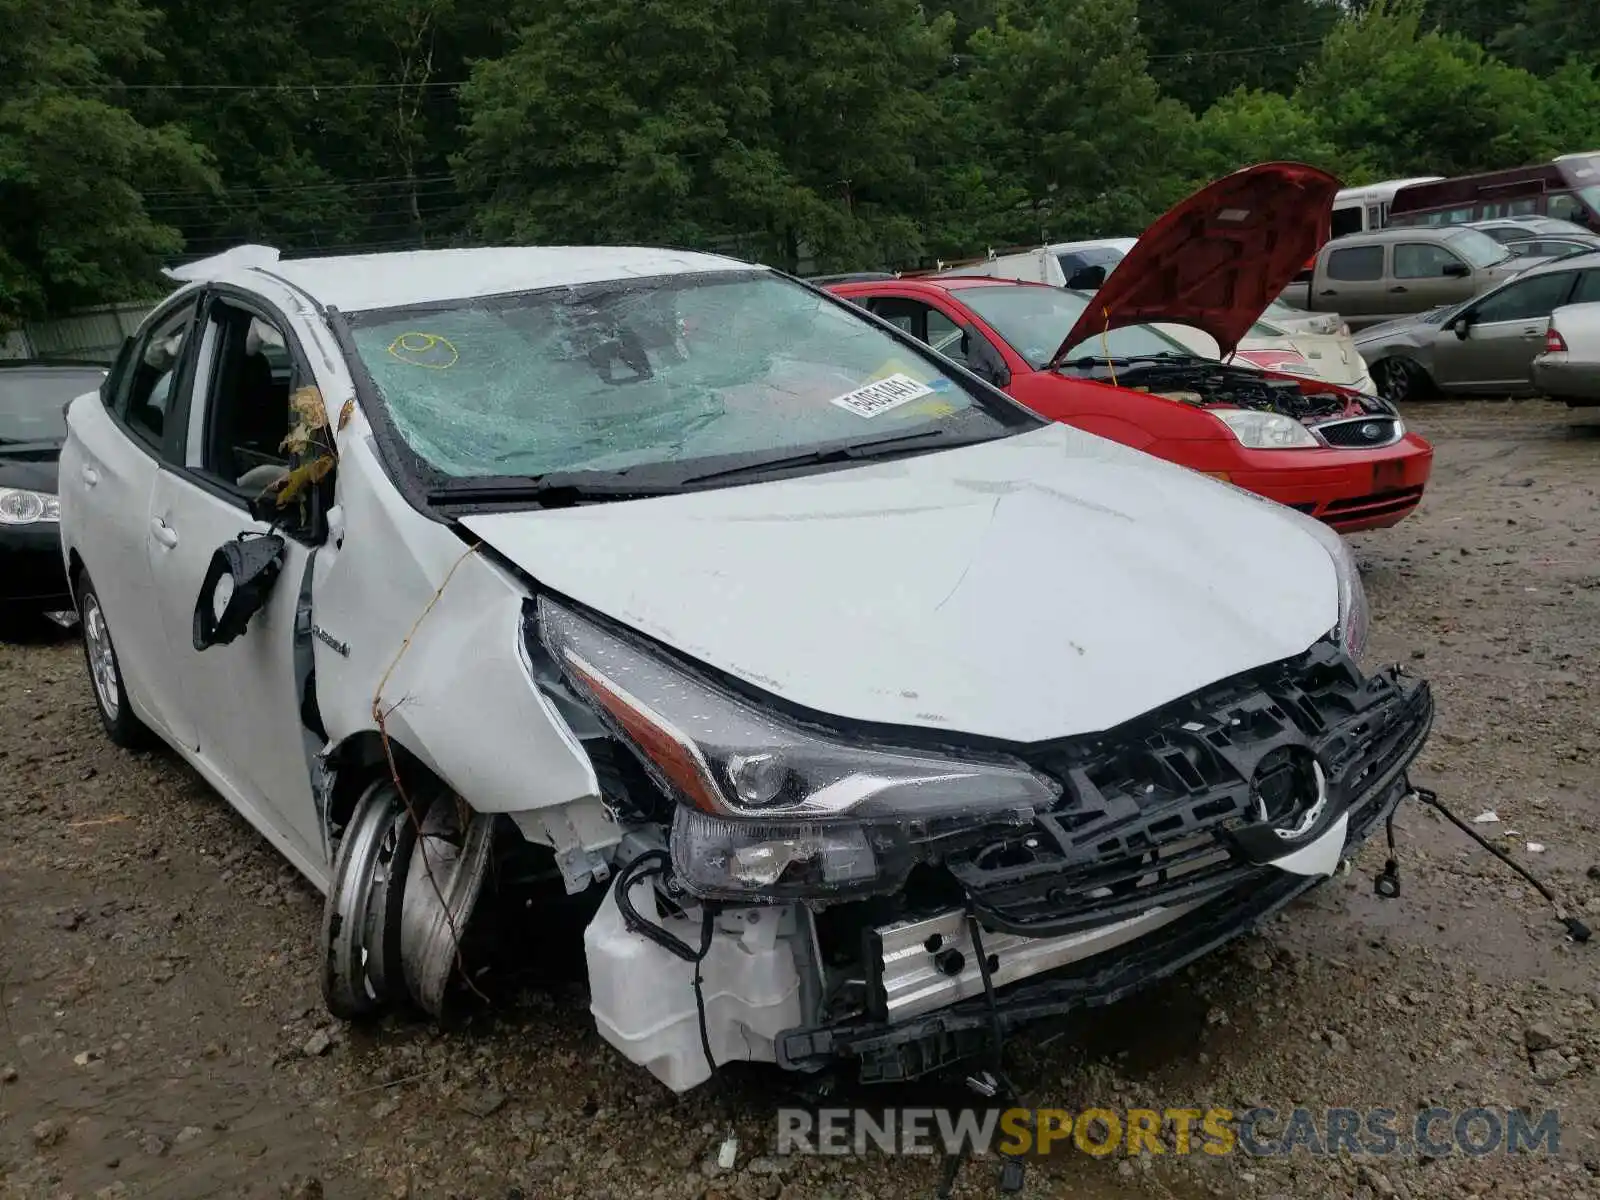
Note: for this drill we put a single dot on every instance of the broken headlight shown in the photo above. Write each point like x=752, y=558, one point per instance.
x=1354, y=616
x=770, y=807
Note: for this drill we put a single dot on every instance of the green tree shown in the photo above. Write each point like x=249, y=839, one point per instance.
x=1412, y=102
x=1247, y=127
x=74, y=167
x=769, y=126
x=1547, y=33
x=331, y=120
x=1202, y=50
x=1064, y=109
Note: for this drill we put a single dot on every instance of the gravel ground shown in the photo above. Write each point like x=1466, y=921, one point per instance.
x=161, y=1032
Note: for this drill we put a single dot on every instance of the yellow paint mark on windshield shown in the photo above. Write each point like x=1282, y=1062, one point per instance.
x=429, y=350
x=898, y=366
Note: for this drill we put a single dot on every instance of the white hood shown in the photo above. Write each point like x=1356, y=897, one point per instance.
x=1048, y=584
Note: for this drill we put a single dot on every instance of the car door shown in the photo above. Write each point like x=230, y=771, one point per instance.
x=245, y=696
x=1503, y=332
x=108, y=470
x=1424, y=275
x=1349, y=281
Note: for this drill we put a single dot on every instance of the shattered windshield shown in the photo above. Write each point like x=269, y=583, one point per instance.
x=653, y=371
x=1035, y=319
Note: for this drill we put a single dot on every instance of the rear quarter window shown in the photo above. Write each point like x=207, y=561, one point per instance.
x=1356, y=264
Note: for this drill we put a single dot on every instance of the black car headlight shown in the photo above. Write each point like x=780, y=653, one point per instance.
x=769, y=807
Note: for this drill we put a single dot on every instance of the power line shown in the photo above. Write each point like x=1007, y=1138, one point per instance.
x=364, y=182
x=1192, y=54
x=373, y=200
x=113, y=85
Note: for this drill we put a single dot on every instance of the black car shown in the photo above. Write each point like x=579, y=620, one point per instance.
x=33, y=399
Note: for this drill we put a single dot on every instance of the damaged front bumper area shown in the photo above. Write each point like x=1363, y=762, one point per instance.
x=1176, y=833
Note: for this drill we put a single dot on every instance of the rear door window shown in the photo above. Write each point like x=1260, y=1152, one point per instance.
x=1357, y=264
x=1527, y=299
x=1588, y=289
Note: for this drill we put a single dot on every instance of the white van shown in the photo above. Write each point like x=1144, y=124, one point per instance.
x=1356, y=210
x=1056, y=264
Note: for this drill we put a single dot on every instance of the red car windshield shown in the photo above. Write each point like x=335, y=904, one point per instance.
x=1034, y=320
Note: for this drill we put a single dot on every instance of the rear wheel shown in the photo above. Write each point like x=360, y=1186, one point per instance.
x=1400, y=379
x=105, y=672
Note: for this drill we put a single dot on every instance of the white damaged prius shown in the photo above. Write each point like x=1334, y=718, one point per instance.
x=862, y=716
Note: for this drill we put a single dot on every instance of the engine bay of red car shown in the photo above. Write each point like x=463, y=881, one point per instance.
x=1207, y=384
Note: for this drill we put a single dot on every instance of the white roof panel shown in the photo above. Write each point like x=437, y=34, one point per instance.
x=352, y=283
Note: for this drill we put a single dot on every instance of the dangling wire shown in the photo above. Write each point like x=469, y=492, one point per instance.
x=1579, y=931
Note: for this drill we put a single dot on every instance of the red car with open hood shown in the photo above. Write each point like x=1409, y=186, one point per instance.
x=1213, y=263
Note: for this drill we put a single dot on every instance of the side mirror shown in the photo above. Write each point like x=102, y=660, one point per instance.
x=1462, y=326
x=1457, y=270
x=236, y=586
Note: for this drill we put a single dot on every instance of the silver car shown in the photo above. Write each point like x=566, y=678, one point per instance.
x=1511, y=229
x=1485, y=345
x=1569, y=367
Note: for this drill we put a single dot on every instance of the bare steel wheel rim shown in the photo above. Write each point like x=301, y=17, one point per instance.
x=444, y=877
x=102, y=656
x=359, y=975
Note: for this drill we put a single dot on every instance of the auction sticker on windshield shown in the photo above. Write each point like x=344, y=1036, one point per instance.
x=881, y=396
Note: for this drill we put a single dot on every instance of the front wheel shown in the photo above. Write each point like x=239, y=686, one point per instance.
x=1400, y=379
x=105, y=672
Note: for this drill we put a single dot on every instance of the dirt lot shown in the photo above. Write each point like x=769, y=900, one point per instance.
x=161, y=1033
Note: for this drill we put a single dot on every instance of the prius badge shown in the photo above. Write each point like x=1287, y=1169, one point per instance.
x=327, y=639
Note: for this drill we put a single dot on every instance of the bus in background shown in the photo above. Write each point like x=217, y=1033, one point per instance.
x=1567, y=188
x=1358, y=209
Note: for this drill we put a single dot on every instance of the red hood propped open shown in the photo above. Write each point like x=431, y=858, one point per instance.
x=1216, y=260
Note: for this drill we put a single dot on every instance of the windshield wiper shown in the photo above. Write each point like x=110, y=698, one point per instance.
x=558, y=489
x=554, y=489
x=884, y=447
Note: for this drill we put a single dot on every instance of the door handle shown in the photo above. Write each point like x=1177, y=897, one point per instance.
x=1327, y=292
x=1397, y=288
x=164, y=533
x=90, y=475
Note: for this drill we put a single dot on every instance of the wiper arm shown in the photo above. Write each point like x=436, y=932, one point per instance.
x=558, y=489
x=902, y=443
x=554, y=489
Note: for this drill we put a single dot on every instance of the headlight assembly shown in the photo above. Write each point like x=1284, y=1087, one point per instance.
x=1265, y=430
x=769, y=807
x=19, y=506
x=1354, y=615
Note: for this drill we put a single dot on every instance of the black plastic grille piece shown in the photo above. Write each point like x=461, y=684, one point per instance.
x=1150, y=809
x=1360, y=434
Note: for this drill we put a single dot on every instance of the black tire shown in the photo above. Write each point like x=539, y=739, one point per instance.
x=1401, y=379
x=105, y=671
